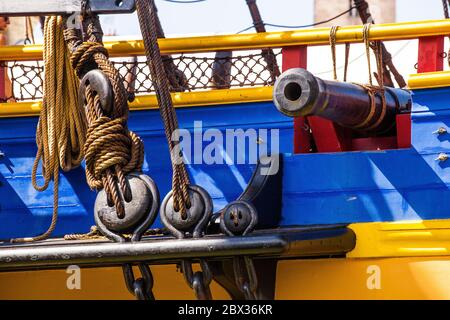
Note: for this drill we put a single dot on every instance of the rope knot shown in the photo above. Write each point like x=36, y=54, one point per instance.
x=84, y=56
x=108, y=147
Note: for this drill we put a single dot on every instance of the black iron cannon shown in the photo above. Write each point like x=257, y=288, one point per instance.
x=297, y=92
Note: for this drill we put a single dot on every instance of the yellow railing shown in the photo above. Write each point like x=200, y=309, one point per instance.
x=317, y=36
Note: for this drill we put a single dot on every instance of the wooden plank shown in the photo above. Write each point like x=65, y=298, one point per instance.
x=61, y=7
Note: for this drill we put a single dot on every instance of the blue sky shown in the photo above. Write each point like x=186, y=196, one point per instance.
x=230, y=16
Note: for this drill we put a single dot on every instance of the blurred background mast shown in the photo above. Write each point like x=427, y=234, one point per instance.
x=177, y=79
x=268, y=54
x=383, y=11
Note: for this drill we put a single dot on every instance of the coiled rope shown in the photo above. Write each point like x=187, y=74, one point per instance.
x=61, y=130
x=111, y=150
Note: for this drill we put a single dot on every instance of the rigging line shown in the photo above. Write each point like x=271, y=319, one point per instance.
x=362, y=55
x=302, y=26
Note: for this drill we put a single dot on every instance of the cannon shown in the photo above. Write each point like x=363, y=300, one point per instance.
x=297, y=92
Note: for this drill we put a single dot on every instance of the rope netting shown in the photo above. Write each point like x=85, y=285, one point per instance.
x=200, y=72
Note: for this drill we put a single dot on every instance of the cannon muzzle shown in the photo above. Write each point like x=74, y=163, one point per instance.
x=299, y=93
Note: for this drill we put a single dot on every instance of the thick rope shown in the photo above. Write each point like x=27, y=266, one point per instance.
x=180, y=179
x=61, y=130
x=111, y=150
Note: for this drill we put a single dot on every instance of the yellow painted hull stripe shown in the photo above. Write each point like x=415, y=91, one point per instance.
x=401, y=239
x=148, y=102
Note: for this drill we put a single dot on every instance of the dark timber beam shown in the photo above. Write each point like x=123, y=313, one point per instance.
x=62, y=7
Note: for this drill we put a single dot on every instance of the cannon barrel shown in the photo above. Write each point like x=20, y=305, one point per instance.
x=297, y=92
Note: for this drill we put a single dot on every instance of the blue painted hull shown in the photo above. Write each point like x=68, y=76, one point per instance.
x=348, y=187
x=26, y=212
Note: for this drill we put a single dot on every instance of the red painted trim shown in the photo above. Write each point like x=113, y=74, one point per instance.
x=3, y=78
x=297, y=57
x=378, y=143
x=2, y=84
x=430, y=57
x=403, y=130
x=328, y=136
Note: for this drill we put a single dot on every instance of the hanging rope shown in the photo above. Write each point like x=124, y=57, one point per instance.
x=111, y=150
x=388, y=65
x=61, y=129
x=29, y=33
x=332, y=40
x=371, y=89
x=180, y=178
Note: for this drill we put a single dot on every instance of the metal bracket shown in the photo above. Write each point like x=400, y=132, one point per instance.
x=263, y=191
x=63, y=7
x=266, y=271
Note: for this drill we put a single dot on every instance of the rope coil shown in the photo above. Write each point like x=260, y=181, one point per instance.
x=61, y=130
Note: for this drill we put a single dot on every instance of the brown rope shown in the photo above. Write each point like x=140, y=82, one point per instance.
x=347, y=56
x=333, y=49
x=180, y=178
x=94, y=233
x=61, y=129
x=371, y=89
x=332, y=40
x=111, y=150
x=29, y=33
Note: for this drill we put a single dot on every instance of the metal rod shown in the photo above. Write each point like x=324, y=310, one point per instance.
x=60, y=254
x=299, y=93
